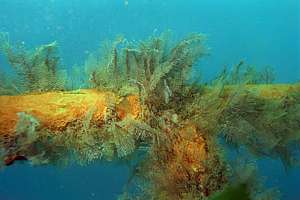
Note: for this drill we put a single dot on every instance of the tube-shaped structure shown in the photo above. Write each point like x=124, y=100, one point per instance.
x=56, y=110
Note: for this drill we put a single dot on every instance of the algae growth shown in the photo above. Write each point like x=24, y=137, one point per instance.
x=140, y=104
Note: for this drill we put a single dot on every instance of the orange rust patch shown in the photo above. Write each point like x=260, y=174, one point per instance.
x=184, y=162
x=191, y=149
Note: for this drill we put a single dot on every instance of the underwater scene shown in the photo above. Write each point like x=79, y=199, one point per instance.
x=149, y=99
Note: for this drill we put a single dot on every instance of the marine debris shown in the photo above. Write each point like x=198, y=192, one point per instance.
x=140, y=105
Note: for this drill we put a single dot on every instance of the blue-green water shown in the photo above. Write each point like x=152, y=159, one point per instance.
x=261, y=32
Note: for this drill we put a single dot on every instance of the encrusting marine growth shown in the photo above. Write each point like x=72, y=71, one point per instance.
x=140, y=104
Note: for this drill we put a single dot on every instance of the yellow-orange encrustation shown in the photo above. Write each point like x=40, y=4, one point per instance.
x=55, y=110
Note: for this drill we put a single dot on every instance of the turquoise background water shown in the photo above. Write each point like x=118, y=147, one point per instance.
x=261, y=32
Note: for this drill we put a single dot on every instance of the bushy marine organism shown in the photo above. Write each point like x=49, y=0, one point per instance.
x=37, y=70
x=263, y=125
x=242, y=73
x=8, y=85
x=150, y=68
